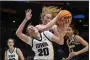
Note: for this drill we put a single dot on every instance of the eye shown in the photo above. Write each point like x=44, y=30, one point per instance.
x=47, y=17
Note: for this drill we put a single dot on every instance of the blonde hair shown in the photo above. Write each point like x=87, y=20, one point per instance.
x=53, y=10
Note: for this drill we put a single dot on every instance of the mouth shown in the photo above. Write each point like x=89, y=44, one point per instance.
x=10, y=45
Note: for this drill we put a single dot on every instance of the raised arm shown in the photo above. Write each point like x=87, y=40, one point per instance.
x=19, y=33
x=49, y=25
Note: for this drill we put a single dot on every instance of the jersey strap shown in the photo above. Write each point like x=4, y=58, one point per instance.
x=16, y=50
x=46, y=36
x=32, y=42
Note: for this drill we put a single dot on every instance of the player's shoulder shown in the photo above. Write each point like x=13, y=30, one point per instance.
x=77, y=36
x=17, y=49
x=47, y=32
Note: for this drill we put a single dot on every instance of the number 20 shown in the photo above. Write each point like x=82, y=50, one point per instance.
x=43, y=52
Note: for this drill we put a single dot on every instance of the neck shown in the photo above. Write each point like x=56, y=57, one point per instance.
x=11, y=48
x=70, y=35
x=37, y=35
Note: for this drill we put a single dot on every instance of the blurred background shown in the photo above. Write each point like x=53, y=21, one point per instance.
x=13, y=13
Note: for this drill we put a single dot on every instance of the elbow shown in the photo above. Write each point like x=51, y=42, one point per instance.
x=17, y=33
x=87, y=47
x=61, y=43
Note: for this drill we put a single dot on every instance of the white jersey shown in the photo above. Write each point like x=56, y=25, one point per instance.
x=13, y=55
x=43, y=47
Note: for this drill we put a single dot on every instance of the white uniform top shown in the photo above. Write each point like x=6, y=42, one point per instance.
x=13, y=55
x=43, y=47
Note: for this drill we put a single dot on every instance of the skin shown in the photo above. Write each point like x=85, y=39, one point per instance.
x=47, y=18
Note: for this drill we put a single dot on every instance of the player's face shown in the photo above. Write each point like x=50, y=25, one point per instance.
x=69, y=31
x=47, y=18
x=32, y=30
x=10, y=43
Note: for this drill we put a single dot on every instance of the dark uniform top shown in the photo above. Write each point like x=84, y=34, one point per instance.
x=74, y=46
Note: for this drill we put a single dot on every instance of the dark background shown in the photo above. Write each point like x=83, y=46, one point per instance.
x=13, y=13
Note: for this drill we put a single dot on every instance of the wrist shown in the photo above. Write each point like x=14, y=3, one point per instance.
x=25, y=19
x=78, y=53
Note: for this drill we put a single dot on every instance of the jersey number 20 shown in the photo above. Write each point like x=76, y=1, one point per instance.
x=43, y=52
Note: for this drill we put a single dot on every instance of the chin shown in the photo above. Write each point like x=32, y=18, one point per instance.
x=68, y=35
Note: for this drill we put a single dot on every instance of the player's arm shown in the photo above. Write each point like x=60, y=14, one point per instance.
x=20, y=54
x=54, y=38
x=49, y=25
x=19, y=33
x=59, y=41
x=5, y=57
x=83, y=42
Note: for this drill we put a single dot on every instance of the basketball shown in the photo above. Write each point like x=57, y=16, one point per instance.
x=64, y=14
x=64, y=17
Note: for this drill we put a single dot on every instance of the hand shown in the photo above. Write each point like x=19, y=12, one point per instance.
x=63, y=22
x=72, y=54
x=28, y=14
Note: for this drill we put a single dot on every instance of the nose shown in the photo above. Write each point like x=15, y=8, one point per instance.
x=32, y=29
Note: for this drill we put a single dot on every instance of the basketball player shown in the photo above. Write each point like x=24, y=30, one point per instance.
x=40, y=42
x=13, y=53
x=73, y=41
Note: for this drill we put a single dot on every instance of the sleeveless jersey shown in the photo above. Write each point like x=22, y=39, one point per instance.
x=43, y=47
x=13, y=55
x=72, y=44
